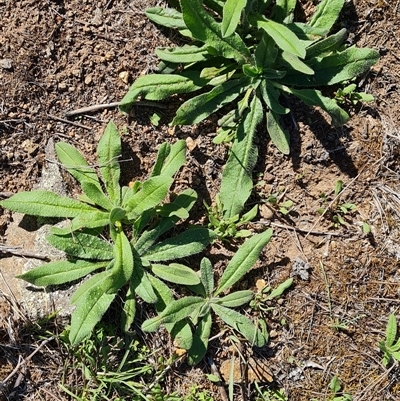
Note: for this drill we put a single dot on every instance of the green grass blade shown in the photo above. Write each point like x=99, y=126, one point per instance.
x=231, y=16
x=200, y=107
x=326, y=14
x=279, y=137
x=283, y=36
x=60, y=272
x=108, y=152
x=206, y=29
x=45, y=204
x=237, y=182
x=243, y=260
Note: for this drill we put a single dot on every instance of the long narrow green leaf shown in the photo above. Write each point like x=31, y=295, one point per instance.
x=94, y=220
x=231, y=16
x=243, y=260
x=96, y=195
x=293, y=62
x=185, y=244
x=200, y=340
x=200, y=107
x=167, y=17
x=283, y=36
x=312, y=97
x=237, y=182
x=108, y=152
x=187, y=54
x=161, y=86
x=176, y=273
x=45, y=204
x=237, y=298
x=283, y=10
x=391, y=330
x=278, y=291
x=60, y=272
x=279, y=137
x=207, y=276
x=205, y=28
x=326, y=14
x=270, y=95
x=76, y=164
x=326, y=45
x=82, y=245
x=240, y=323
x=175, y=159
x=162, y=154
x=123, y=259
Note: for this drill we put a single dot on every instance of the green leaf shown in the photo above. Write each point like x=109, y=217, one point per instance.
x=327, y=45
x=76, y=164
x=283, y=10
x=185, y=200
x=296, y=64
x=162, y=155
x=391, y=330
x=181, y=333
x=312, y=97
x=266, y=51
x=326, y=14
x=204, y=28
x=185, y=244
x=200, y=340
x=161, y=86
x=153, y=191
x=174, y=312
x=207, y=276
x=335, y=68
x=108, y=152
x=240, y=323
x=45, y=204
x=60, y=272
x=237, y=182
x=93, y=303
x=231, y=16
x=82, y=245
x=270, y=96
x=96, y=195
x=187, y=54
x=123, y=259
x=200, y=107
x=167, y=17
x=279, y=137
x=175, y=159
x=278, y=291
x=243, y=260
x=129, y=311
x=237, y=298
x=283, y=36
x=250, y=215
x=176, y=273
x=88, y=220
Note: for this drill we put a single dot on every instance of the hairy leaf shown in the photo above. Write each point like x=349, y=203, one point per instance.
x=175, y=160
x=391, y=330
x=200, y=340
x=231, y=16
x=176, y=273
x=237, y=298
x=296, y=64
x=278, y=291
x=270, y=95
x=187, y=54
x=243, y=260
x=279, y=137
x=128, y=311
x=205, y=28
x=207, y=276
x=326, y=14
x=327, y=45
x=96, y=195
x=167, y=17
x=60, y=272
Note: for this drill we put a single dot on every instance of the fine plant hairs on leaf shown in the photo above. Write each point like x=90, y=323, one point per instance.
x=189, y=318
x=247, y=57
x=135, y=217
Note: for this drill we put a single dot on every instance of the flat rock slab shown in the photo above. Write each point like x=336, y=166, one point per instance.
x=28, y=235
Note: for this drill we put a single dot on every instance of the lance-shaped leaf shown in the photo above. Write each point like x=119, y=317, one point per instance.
x=185, y=200
x=108, y=152
x=240, y=323
x=283, y=36
x=153, y=191
x=200, y=107
x=96, y=195
x=327, y=45
x=95, y=220
x=60, y=272
x=185, y=244
x=45, y=204
x=237, y=298
x=174, y=312
x=187, y=54
x=283, y=10
x=176, y=273
x=335, y=68
x=266, y=51
x=391, y=330
x=279, y=137
x=295, y=63
x=170, y=159
x=207, y=276
x=278, y=291
x=237, y=182
x=82, y=246
x=92, y=304
x=168, y=17
x=312, y=97
x=326, y=14
x=231, y=16
x=129, y=310
x=200, y=340
x=243, y=260
x=270, y=95
x=76, y=164
x=123, y=258
x=161, y=86
x=205, y=28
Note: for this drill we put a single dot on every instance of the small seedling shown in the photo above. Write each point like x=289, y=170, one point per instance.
x=390, y=347
x=269, y=394
x=282, y=207
x=224, y=227
x=349, y=95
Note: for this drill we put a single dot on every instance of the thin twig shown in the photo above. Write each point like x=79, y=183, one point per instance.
x=221, y=387
x=301, y=230
x=97, y=107
x=18, y=251
x=63, y=120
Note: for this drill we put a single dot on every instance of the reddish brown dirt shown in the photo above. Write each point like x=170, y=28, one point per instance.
x=61, y=56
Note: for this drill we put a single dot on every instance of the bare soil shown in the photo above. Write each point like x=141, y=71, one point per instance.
x=60, y=56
